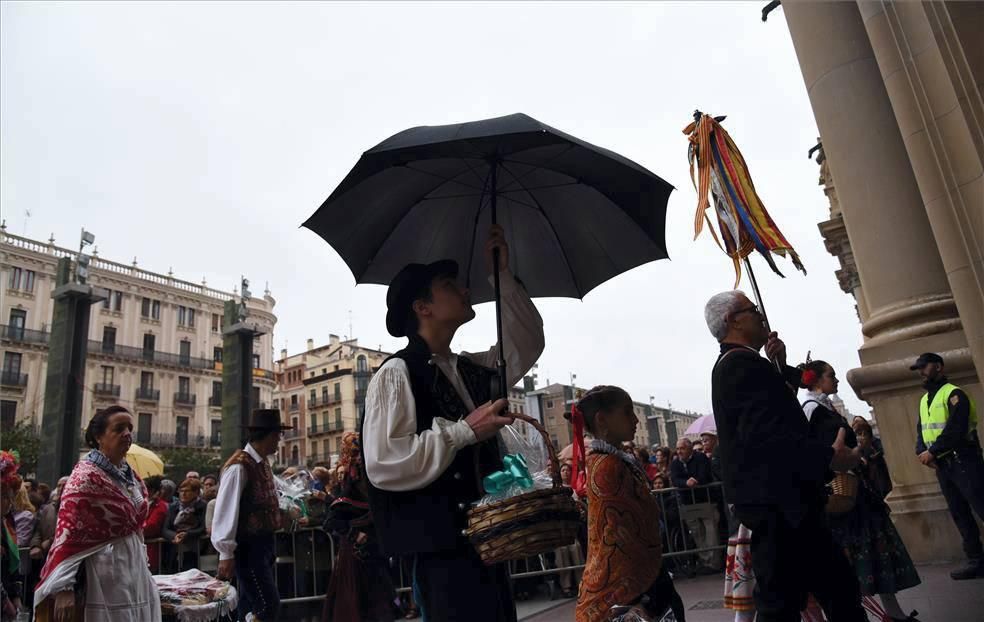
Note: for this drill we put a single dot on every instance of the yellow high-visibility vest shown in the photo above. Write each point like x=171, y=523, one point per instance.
x=933, y=417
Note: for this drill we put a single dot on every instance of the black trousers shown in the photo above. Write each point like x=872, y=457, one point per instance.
x=961, y=480
x=455, y=586
x=256, y=562
x=792, y=561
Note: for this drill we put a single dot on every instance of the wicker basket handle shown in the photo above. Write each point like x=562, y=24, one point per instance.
x=551, y=450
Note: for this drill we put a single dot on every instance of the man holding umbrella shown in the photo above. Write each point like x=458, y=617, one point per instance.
x=431, y=433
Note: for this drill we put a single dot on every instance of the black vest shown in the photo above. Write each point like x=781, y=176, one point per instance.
x=431, y=519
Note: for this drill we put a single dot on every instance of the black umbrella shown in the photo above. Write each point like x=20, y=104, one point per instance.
x=575, y=215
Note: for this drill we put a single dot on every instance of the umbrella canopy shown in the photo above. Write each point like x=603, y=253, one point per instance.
x=145, y=462
x=704, y=423
x=575, y=215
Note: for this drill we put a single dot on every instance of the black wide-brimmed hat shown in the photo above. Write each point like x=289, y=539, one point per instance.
x=266, y=419
x=405, y=287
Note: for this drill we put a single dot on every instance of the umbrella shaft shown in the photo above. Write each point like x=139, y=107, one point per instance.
x=500, y=362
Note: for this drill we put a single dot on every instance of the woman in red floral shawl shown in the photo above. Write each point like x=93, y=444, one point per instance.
x=98, y=554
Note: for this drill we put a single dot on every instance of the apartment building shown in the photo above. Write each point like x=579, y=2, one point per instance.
x=155, y=344
x=322, y=392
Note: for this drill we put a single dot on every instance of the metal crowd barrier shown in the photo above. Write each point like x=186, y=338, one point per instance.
x=689, y=520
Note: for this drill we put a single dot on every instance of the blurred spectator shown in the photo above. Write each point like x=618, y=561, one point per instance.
x=185, y=523
x=642, y=455
x=44, y=531
x=698, y=446
x=570, y=555
x=10, y=580
x=192, y=475
x=873, y=467
x=154, y=523
x=45, y=491
x=168, y=489
x=24, y=516
x=710, y=441
x=322, y=479
x=663, y=457
x=691, y=470
x=210, y=487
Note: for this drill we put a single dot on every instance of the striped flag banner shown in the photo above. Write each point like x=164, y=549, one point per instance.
x=722, y=175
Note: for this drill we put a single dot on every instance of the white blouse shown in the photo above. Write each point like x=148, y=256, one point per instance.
x=810, y=403
x=397, y=458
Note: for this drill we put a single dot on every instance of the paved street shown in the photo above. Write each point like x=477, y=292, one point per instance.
x=938, y=599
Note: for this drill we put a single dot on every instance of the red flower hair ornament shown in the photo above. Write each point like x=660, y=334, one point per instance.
x=809, y=377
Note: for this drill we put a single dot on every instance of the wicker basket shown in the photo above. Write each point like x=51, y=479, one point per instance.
x=844, y=493
x=528, y=524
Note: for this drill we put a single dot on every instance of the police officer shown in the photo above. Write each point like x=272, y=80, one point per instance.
x=946, y=440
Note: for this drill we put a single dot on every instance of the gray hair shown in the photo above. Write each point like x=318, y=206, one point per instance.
x=717, y=309
x=168, y=484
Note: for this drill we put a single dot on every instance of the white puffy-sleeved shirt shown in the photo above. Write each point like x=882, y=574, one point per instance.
x=225, y=521
x=397, y=458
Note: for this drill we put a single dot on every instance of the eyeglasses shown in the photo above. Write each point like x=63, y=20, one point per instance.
x=754, y=309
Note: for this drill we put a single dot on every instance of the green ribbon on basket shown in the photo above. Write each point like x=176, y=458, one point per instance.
x=515, y=472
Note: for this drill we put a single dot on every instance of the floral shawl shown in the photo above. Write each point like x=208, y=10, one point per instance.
x=625, y=552
x=94, y=511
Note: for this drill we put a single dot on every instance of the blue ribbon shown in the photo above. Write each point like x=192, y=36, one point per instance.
x=515, y=473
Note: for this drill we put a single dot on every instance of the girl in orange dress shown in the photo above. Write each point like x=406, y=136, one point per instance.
x=624, y=562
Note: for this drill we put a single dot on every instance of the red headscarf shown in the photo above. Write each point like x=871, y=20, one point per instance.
x=579, y=477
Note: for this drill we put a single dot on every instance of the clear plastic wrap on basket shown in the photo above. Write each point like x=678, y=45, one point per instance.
x=292, y=492
x=514, y=479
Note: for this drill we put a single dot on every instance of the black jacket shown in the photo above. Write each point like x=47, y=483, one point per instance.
x=698, y=468
x=768, y=458
x=956, y=435
x=193, y=534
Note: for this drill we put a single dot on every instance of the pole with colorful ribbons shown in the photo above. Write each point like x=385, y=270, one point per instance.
x=744, y=224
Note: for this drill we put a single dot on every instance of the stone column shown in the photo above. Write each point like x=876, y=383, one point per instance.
x=938, y=108
x=909, y=305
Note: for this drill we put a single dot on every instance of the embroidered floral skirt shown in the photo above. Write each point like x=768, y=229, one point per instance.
x=874, y=548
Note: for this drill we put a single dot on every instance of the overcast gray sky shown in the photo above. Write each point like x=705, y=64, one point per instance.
x=198, y=136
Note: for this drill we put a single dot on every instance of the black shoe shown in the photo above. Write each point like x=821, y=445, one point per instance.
x=973, y=570
x=910, y=618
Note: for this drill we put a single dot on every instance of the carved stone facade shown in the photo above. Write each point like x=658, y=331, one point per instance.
x=896, y=91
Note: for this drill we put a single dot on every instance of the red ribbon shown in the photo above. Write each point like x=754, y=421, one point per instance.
x=579, y=478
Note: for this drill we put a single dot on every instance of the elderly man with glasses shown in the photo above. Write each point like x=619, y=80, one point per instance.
x=773, y=472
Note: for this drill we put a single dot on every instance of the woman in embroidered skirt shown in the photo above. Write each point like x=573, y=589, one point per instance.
x=866, y=533
x=360, y=588
x=624, y=567
x=99, y=555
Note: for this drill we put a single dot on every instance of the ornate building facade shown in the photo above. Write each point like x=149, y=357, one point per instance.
x=155, y=345
x=896, y=92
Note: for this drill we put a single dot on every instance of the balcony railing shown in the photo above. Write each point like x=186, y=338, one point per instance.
x=17, y=334
x=130, y=353
x=147, y=394
x=292, y=434
x=324, y=401
x=106, y=390
x=215, y=400
x=185, y=399
x=326, y=428
x=215, y=440
x=294, y=407
x=13, y=379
